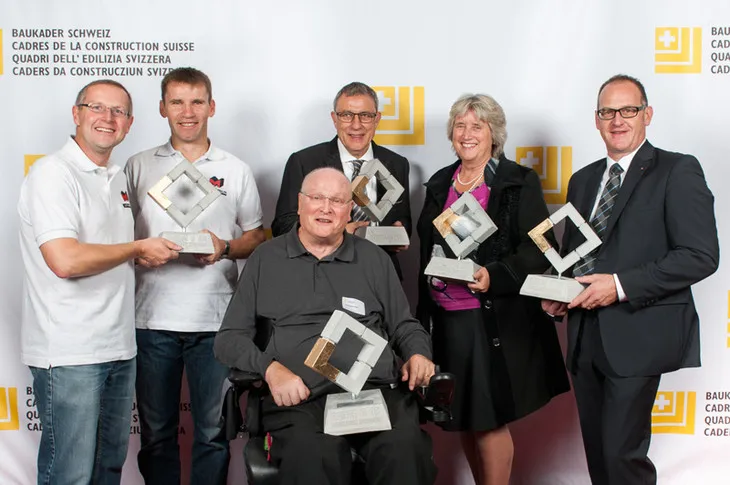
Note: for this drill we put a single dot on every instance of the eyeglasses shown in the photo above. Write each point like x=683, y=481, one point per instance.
x=320, y=199
x=365, y=117
x=99, y=108
x=626, y=112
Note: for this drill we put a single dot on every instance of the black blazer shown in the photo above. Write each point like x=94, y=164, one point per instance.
x=661, y=238
x=327, y=154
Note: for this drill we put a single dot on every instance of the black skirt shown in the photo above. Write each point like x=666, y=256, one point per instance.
x=461, y=348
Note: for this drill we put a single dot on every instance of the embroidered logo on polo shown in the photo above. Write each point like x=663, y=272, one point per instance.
x=218, y=183
x=9, y=420
x=403, y=120
x=125, y=200
x=674, y=412
x=554, y=166
x=678, y=50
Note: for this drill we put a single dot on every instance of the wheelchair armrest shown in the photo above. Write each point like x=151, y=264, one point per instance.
x=435, y=399
x=243, y=380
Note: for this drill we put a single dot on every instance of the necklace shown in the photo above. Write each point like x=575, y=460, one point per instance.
x=475, y=179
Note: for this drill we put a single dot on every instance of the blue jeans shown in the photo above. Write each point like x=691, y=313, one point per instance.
x=85, y=411
x=161, y=356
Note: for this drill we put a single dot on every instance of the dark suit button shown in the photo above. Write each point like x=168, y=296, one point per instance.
x=488, y=304
x=496, y=342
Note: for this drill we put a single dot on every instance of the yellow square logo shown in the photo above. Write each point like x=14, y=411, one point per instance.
x=9, y=409
x=554, y=166
x=678, y=50
x=30, y=160
x=674, y=412
x=403, y=120
x=1, y=52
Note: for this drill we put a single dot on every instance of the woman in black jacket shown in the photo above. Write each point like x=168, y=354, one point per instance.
x=502, y=348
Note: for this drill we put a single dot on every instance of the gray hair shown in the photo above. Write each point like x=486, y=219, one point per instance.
x=81, y=97
x=487, y=110
x=356, y=89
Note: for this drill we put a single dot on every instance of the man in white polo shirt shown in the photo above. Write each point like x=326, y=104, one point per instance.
x=180, y=306
x=77, y=244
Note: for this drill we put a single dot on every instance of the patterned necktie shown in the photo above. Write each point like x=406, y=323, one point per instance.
x=357, y=213
x=600, y=220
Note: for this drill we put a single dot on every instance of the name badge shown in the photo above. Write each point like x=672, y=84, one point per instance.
x=354, y=305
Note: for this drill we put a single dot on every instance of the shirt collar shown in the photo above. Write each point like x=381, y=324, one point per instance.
x=167, y=150
x=346, y=156
x=73, y=153
x=624, y=161
x=294, y=247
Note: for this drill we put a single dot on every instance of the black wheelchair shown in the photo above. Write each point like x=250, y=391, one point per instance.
x=434, y=403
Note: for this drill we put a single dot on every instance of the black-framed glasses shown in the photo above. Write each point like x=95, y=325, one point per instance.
x=364, y=116
x=99, y=108
x=320, y=199
x=626, y=112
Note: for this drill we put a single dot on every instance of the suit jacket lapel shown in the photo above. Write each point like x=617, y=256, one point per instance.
x=643, y=159
x=333, y=158
x=591, y=191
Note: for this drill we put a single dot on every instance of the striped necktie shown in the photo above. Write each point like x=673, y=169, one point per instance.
x=357, y=213
x=600, y=220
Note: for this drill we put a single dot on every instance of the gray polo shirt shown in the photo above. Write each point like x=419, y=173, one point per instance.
x=285, y=289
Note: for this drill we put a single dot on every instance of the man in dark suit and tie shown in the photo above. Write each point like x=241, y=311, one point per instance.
x=356, y=118
x=636, y=319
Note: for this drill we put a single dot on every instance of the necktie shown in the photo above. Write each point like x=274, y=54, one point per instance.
x=357, y=213
x=600, y=220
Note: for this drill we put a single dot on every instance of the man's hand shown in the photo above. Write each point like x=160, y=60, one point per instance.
x=156, y=251
x=554, y=308
x=218, y=245
x=286, y=388
x=417, y=371
x=396, y=249
x=481, y=285
x=351, y=226
x=600, y=292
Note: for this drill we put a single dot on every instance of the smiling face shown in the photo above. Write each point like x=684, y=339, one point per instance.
x=98, y=133
x=187, y=108
x=355, y=135
x=322, y=221
x=622, y=135
x=472, y=139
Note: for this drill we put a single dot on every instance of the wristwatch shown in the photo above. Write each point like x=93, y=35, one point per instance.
x=226, y=250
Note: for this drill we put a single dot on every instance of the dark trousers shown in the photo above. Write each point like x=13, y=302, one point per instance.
x=305, y=455
x=615, y=414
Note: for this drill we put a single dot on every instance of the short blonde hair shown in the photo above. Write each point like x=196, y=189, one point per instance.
x=487, y=110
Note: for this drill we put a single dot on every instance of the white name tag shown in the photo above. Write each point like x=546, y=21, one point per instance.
x=354, y=305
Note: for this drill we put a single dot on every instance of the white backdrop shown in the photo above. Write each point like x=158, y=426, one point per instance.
x=275, y=67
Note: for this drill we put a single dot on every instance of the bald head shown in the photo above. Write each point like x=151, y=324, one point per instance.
x=331, y=176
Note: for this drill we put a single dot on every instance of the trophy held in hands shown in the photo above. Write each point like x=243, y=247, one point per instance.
x=558, y=288
x=380, y=235
x=464, y=226
x=191, y=242
x=354, y=411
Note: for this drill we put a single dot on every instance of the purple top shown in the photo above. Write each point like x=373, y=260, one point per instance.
x=452, y=296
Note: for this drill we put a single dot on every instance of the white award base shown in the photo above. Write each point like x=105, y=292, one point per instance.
x=345, y=413
x=551, y=287
x=191, y=242
x=452, y=269
x=384, y=235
